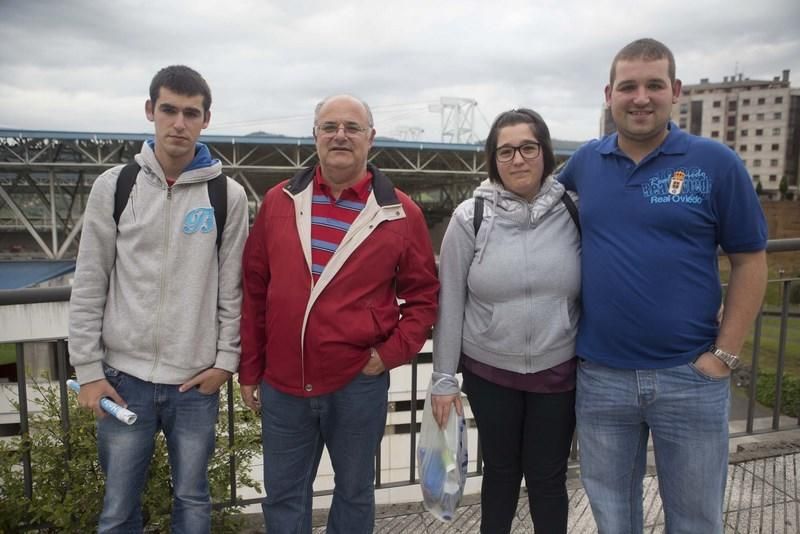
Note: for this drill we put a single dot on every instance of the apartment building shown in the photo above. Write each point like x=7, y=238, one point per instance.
x=759, y=119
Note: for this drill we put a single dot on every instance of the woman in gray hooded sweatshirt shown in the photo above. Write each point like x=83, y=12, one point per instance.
x=508, y=312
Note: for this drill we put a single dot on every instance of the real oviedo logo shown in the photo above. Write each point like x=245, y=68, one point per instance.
x=678, y=186
x=201, y=219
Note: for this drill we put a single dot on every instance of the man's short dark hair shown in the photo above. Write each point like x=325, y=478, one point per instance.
x=182, y=80
x=538, y=128
x=648, y=50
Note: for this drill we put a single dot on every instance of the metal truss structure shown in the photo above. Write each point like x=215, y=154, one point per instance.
x=45, y=177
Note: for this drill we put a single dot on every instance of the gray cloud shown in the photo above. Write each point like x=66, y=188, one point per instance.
x=86, y=65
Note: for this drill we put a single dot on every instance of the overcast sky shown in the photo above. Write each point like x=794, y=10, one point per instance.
x=85, y=65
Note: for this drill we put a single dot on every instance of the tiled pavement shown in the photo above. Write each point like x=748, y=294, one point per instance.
x=763, y=496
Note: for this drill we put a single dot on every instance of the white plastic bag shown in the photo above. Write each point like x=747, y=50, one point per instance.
x=442, y=462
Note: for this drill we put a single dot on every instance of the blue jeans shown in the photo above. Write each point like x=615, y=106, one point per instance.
x=686, y=412
x=350, y=422
x=187, y=420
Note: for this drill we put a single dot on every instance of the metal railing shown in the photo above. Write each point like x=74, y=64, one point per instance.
x=30, y=296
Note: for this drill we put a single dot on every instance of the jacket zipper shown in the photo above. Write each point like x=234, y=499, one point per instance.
x=165, y=251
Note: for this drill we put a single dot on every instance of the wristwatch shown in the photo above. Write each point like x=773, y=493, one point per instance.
x=729, y=359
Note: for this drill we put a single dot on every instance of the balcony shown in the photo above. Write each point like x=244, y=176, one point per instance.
x=765, y=445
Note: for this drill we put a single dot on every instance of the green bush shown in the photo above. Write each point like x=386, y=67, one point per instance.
x=794, y=293
x=790, y=392
x=68, y=492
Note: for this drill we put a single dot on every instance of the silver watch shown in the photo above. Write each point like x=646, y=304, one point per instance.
x=729, y=359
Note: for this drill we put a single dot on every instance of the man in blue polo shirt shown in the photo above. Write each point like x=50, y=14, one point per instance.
x=655, y=204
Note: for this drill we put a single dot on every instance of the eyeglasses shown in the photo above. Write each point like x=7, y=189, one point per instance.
x=529, y=150
x=332, y=128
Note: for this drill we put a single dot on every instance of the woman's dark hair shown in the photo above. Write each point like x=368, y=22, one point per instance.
x=539, y=130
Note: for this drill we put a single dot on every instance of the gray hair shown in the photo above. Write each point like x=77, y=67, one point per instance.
x=325, y=100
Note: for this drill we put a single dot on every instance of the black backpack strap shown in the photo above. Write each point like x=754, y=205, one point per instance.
x=572, y=209
x=125, y=181
x=218, y=195
x=477, y=217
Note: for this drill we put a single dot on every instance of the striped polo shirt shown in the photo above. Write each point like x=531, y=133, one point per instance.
x=331, y=217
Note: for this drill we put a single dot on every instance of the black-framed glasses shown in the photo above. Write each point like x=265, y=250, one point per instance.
x=529, y=150
x=332, y=128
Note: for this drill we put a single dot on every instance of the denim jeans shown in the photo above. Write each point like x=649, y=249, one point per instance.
x=686, y=412
x=187, y=420
x=528, y=434
x=350, y=423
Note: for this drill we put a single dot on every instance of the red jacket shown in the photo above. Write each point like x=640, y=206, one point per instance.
x=309, y=339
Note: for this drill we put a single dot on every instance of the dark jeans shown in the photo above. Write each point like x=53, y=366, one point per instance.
x=526, y=434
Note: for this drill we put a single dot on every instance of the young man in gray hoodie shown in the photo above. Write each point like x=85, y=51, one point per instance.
x=155, y=307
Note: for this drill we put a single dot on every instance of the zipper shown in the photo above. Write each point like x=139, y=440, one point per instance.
x=164, y=253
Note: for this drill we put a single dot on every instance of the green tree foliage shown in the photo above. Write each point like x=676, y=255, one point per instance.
x=68, y=482
x=790, y=392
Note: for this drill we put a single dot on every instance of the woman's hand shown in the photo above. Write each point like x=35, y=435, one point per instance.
x=440, y=404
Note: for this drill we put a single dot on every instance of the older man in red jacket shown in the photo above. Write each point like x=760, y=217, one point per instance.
x=331, y=253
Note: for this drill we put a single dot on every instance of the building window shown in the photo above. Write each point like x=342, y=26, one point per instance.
x=759, y=116
x=773, y=177
x=684, y=107
x=777, y=116
x=743, y=133
x=775, y=147
x=776, y=131
x=746, y=102
x=745, y=117
x=779, y=100
x=759, y=132
x=731, y=135
x=717, y=103
x=742, y=148
x=756, y=163
x=732, y=120
x=715, y=118
x=682, y=123
x=756, y=177
x=773, y=163
x=757, y=148
x=732, y=105
x=714, y=133
x=762, y=101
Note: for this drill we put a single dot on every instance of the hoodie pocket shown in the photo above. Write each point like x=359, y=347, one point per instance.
x=551, y=324
x=506, y=331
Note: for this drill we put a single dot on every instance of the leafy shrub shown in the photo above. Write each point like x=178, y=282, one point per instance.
x=794, y=293
x=68, y=482
x=790, y=392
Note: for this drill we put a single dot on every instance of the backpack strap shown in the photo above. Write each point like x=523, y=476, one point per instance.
x=218, y=195
x=125, y=181
x=572, y=209
x=477, y=216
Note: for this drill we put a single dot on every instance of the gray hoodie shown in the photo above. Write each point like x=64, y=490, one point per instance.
x=152, y=297
x=509, y=296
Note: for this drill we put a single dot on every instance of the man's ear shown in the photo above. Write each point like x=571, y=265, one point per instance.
x=676, y=90
x=207, y=119
x=149, y=112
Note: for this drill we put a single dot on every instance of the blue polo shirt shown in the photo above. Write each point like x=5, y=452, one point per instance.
x=651, y=287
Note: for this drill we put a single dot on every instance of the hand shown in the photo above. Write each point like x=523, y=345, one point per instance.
x=440, y=404
x=250, y=397
x=712, y=366
x=374, y=365
x=91, y=393
x=208, y=382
